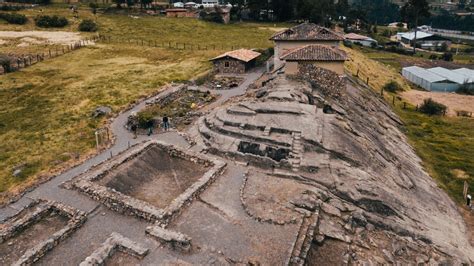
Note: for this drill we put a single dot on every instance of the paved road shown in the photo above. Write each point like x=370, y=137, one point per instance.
x=123, y=138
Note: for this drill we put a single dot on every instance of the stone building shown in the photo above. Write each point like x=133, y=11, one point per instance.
x=324, y=56
x=237, y=61
x=301, y=35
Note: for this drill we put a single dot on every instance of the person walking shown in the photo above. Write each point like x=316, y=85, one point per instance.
x=150, y=127
x=166, y=123
x=134, y=130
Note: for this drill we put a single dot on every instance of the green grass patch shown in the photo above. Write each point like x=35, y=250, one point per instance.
x=446, y=145
x=45, y=109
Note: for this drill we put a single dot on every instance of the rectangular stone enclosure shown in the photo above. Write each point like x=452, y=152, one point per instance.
x=152, y=180
x=35, y=230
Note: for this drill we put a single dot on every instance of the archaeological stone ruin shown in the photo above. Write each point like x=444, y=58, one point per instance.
x=310, y=169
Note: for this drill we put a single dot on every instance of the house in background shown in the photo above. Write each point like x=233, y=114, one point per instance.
x=302, y=35
x=424, y=40
x=323, y=56
x=360, y=39
x=237, y=61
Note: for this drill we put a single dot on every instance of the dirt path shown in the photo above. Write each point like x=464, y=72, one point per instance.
x=454, y=102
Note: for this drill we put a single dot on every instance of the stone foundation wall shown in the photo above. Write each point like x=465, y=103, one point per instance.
x=328, y=82
x=15, y=226
x=115, y=242
x=128, y=205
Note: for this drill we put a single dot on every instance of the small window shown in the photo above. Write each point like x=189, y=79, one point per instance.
x=226, y=64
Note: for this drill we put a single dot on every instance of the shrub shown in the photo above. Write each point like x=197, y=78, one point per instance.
x=447, y=56
x=88, y=25
x=14, y=18
x=392, y=86
x=5, y=62
x=145, y=119
x=433, y=57
x=465, y=89
x=347, y=43
x=431, y=107
x=213, y=16
x=51, y=21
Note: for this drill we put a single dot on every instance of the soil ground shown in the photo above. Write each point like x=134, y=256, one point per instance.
x=469, y=219
x=57, y=37
x=12, y=249
x=121, y=258
x=154, y=177
x=454, y=102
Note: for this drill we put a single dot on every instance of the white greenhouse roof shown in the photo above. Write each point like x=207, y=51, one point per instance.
x=424, y=74
x=419, y=35
x=451, y=75
x=466, y=72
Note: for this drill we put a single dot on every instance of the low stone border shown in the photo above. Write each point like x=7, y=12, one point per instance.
x=175, y=240
x=15, y=226
x=128, y=205
x=115, y=242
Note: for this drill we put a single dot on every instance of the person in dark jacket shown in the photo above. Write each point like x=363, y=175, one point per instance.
x=166, y=123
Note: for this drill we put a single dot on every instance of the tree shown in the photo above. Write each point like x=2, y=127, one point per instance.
x=412, y=12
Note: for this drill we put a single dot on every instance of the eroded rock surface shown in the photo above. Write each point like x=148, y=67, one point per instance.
x=341, y=154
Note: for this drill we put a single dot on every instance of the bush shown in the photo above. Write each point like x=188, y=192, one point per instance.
x=431, y=107
x=213, y=16
x=447, y=56
x=51, y=21
x=88, y=25
x=145, y=119
x=5, y=62
x=465, y=89
x=347, y=43
x=392, y=86
x=433, y=57
x=14, y=18
x=10, y=8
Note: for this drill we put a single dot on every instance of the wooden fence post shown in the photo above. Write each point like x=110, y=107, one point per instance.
x=465, y=189
x=367, y=81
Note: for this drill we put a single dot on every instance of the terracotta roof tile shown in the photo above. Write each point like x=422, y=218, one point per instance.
x=315, y=52
x=241, y=54
x=307, y=32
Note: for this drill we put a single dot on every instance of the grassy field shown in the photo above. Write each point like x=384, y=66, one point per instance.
x=45, y=110
x=445, y=144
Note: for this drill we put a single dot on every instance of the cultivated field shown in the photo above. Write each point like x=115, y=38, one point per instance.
x=45, y=109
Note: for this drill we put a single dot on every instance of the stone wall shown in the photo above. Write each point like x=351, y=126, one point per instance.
x=131, y=206
x=16, y=225
x=113, y=243
x=328, y=82
x=234, y=66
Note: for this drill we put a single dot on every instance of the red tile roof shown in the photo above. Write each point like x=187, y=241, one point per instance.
x=315, y=52
x=307, y=32
x=241, y=54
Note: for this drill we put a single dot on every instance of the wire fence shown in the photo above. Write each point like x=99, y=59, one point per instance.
x=18, y=63
x=170, y=44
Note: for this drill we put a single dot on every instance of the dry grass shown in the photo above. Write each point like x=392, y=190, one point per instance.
x=378, y=73
x=45, y=109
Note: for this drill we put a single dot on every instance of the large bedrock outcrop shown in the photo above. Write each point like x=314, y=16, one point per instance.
x=344, y=138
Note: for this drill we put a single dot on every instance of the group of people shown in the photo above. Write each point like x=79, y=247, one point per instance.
x=150, y=125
